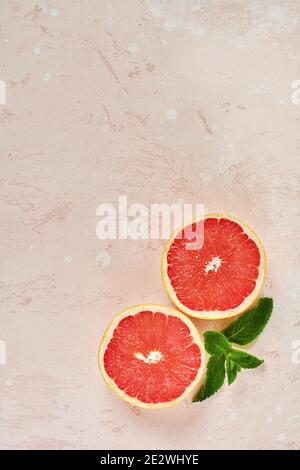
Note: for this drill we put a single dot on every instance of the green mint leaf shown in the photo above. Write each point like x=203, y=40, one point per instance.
x=231, y=369
x=216, y=343
x=243, y=359
x=215, y=376
x=250, y=325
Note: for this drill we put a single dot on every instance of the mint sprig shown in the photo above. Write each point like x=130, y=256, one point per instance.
x=215, y=376
x=232, y=368
x=226, y=360
x=216, y=343
x=243, y=359
x=250, y=325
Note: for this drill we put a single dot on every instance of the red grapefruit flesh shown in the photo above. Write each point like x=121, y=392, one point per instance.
x=220, y=279
x=152, y=356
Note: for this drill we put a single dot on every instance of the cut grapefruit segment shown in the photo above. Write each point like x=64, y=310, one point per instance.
x=219, y=279
x=152, y=356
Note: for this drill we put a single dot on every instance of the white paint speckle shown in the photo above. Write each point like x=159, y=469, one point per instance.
x=206, y=180
x=234, y=416
x=268, y=283
x=170, y=24
x=53, y=12
x=67, y=259
x=171, y=114
x=195, y=29
x=269, y=419
x=278, y=410
x=36, y=51
x=132, y=47
x=9, y=382
x=220, y=424
x=103, y=259
x=46, y=76
x=154, y=7
x=282, y=18
x=281, y=437
x=109, y=21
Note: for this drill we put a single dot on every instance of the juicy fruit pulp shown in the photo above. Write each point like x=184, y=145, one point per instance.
x=223, y=277
x=151, y=356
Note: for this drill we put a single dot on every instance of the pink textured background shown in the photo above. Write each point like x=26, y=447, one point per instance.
x=88, y=88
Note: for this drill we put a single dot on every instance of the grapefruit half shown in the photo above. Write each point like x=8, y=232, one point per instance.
x=220, y=279
x=152, y=356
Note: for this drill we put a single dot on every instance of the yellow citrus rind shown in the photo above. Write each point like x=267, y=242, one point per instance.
x=216, y=314
x=155, y=308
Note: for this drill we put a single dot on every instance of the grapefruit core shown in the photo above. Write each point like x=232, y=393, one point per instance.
x=152, y=356
x=220, y=279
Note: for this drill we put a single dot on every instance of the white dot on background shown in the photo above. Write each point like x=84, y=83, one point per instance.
x=220, y=424
x=132, y=47
x=67, y=259
x=170, y=24
x=269, y=419
x=36, y=50
x=233, y=416
x=171, y=114
x=53, y=12
x=268, y=283
x=103, y=259
x=46, y=76
x=9, y=382
x=281, y=437
x=278, y=410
